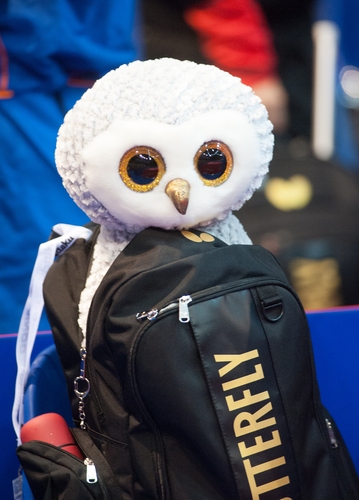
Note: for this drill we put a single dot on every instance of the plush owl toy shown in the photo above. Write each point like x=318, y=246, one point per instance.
x=164, y=143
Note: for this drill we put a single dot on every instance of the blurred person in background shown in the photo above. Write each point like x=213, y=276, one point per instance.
x=307, y=210
x=234, y=36
x=50, y=52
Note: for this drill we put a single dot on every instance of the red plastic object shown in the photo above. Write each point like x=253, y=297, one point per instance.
x=51, y=428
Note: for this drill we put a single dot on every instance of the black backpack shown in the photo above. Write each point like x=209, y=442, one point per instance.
x=202, y=378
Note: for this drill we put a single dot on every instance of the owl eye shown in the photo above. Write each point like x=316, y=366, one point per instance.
x=213, y=162
x=141, y=168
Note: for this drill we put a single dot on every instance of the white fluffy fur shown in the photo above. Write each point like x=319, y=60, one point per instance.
x=165, y=91
x=176, y=105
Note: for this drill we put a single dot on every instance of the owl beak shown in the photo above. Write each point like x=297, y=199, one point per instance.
x=178, y=191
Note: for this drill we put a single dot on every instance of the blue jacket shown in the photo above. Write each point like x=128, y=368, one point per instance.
x=46, y=43
x=50, y=52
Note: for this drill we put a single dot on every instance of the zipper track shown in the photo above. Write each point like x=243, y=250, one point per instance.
x=144, y=413
x=207, y=294
x=213, y=291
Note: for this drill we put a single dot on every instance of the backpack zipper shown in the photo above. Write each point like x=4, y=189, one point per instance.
x=183, y=311
x=91, y=472
x=332, y=437
x=342, y=472
x=150, y=315
x=182, y=302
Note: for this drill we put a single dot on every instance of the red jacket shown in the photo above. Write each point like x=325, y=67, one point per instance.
x=235, y=37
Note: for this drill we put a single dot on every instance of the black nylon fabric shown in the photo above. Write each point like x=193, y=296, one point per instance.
x=54, y=474
x=154, y=410
x=154, y=270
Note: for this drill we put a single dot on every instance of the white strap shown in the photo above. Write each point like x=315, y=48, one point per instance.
x=31, y=315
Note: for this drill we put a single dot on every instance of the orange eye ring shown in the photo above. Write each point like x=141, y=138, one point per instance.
x=141, y=168
x=213, y=162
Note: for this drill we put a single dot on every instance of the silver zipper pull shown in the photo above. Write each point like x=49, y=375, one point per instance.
x=183, y=308
x=333, y=439
x=91, y=473
x=151, y=315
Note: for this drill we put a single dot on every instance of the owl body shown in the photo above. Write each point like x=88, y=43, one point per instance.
x=163, y=143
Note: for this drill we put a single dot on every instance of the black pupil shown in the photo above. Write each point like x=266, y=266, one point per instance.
x=212, y=163
x=142, y=169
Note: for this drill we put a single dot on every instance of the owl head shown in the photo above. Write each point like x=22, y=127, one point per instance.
x=165, y=143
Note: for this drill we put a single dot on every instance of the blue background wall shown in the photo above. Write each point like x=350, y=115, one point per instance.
x=335, y=336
